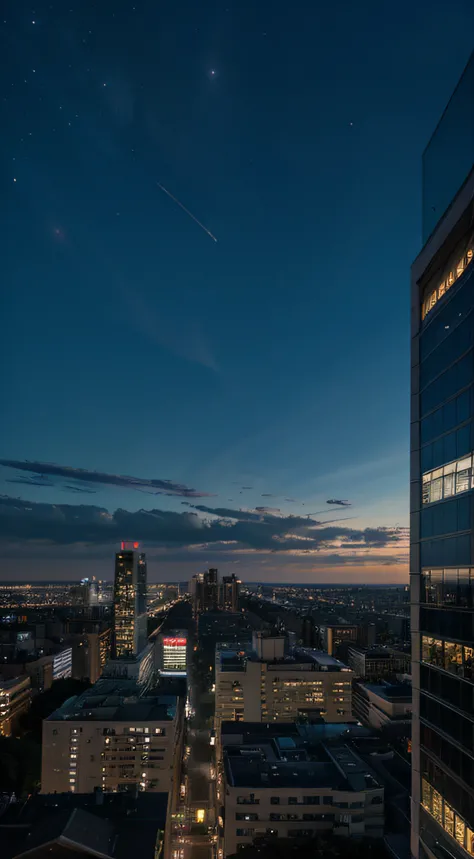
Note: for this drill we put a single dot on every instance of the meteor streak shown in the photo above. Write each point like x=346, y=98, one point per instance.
x=187, y=211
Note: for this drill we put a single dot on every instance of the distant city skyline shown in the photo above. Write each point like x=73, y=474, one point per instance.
x=250, y=384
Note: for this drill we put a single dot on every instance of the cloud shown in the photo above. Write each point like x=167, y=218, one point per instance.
x=217, y=529
x=155, y=486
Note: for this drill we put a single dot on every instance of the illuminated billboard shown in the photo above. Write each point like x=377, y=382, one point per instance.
x=174, y=653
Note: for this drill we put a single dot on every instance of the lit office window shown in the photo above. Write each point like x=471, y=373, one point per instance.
x=451, y=479
x=449, y=819
x=438, y=293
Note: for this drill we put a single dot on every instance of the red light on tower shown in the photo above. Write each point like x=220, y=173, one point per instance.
x=129, y=545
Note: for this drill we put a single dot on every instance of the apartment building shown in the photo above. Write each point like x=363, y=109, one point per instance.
x=15, y=699
x=267, y=681
x=278, y=784
x=111, y=738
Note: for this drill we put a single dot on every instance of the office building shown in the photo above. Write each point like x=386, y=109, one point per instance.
x=333, y=635
x=376, y=663
x=441, y=497
x=112, y=738
x=264, y=682
x=62, y=664
x=380, y=705
x=284, y=783
x=204, y=590
x=15, y=699
x=130, y=618
x=230, y=593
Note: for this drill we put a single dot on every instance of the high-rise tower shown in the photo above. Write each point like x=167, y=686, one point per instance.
x=441, y=491
x=130, y=619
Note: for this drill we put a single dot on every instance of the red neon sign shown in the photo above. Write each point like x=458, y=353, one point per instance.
x=128, y=545
x=174, y=642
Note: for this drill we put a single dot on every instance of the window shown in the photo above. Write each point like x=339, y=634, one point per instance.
x=432, y=651
x=448, y=587
x=244, y=832
x=274, y=800
x=446, y=816
x=449, y=655
x=449, y=819
x=239, y=815
x=300, y=833
x=451, y=479
x=292, y=800
x=458, y=268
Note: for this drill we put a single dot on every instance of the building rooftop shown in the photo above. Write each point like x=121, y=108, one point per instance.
x=393, y=692
x=290, y=755
x=234, y=658
x=116, y=700
x=257, y=774
x=377, y=652
x=113, y=824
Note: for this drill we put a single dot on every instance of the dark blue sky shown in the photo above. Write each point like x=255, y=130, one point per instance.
x=276, y=358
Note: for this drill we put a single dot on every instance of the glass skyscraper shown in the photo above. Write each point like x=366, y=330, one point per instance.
x=442, y=490
x=130, y=618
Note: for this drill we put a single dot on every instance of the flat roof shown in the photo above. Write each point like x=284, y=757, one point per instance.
x=118, y=701
x=244, y=773
x=390, y=691
x=295, y=757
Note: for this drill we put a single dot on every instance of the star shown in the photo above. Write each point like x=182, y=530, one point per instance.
x=14, y=180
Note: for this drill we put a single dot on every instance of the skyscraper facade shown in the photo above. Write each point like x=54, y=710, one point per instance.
x=441, y=490
x=130, y=620
x=230, y=593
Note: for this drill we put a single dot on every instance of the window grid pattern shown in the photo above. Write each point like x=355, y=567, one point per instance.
x=448, y=588
x=451, y=656
x=449, y=480
x=446, y=284
x=446, y=816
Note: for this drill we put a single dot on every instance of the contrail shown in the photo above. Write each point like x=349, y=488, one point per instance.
x=187, y=211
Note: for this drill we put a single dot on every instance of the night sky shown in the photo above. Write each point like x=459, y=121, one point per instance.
x=269, y=369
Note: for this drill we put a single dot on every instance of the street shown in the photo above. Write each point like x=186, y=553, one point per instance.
x=193, y=827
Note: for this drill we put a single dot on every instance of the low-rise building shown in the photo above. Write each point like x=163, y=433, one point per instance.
x=15, y=699
x=111, y=738
x=285, y=784
x=374, y=663
x=380, y=705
